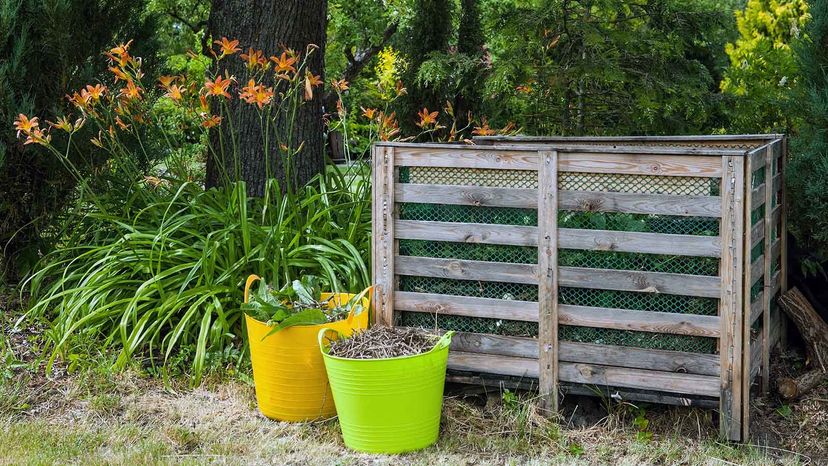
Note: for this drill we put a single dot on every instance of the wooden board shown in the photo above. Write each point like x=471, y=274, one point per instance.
x=730, y=302
x=568, y=238
x=383, y=243
x=771, y=219
x=548, y=280
x=640, y=321
x=608, y=355
x=465, y=157
x=603, y=279
x=591, y=201
x=487, y=308
x=747, y=281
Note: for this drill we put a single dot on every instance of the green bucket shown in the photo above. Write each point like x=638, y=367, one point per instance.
x=388, y=405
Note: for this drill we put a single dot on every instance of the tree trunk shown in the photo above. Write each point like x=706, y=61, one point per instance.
x=269, y=25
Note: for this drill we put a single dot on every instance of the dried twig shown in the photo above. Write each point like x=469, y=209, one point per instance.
x=383, y=342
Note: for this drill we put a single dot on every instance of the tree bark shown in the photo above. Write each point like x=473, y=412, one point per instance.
x=814, y=332
x=270, y=25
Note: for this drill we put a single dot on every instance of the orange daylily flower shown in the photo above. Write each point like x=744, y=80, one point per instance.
x=205, y=106
x=254, y=59
x=228, y=47
x=120, y=54
x=369, y=113
x=257, y=94
x=484, y=130
x=120, y=75
x=284, y=63
x=388, y=127
x=219, y=86
x=400, y=90
x=427, y=118
x=175, y=92
x=311, y=81
x=121, y=123
x=79, y=100
x=94, y=92
x=62, y=123
x=212, y=121
x=25, y=125
x=38, y=136
x=166, y=81
x=339, y=85
x=131, y=91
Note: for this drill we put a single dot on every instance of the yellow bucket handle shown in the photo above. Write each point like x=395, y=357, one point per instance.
x=253, y=278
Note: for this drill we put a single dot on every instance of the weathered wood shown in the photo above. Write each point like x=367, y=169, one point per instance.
x=622, y=356
x=759, y=194
x=383, y=250
x=730, y=301
x=635, y=164
x=481, y=233
x=747, y=283
x=645, y=282
x=640, y=379
x=628, y=149
x=794, y=388
x=591, y=374
x=783, y=239
x=767, y=261
x=548, y=278
x=756, y=307
x=642, y=396
x=592, y=201
x=695, y=140
x=595, y=161
x=640, y=321
x=646, y=243
x=757, y=231
x=465, y=157
x=755, y=359
x=603, y=279
x=449, y=305
x=641, y=203
x=757, y=269
x=813, y=329
x=568, y=238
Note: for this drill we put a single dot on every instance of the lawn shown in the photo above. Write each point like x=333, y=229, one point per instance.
x=86, y=413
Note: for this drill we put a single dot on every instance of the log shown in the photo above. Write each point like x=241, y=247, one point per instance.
x=814, y=332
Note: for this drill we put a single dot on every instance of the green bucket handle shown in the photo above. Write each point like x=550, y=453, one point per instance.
x=443, y=342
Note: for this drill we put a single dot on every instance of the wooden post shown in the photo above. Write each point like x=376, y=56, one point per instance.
x=767, y=295
x=730, y=301
x=548, y=279
x=383, y=242
x=783, y=238
x=747, y=285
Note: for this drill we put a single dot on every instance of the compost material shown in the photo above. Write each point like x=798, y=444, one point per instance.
x=383, y=342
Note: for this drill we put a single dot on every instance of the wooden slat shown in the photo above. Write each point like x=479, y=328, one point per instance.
x=757, y=268
x=755, y=359
x=756, y=307
x=783, y=237
x=647, y=282
x=465, y=157
x=757, y=231
x=701, y=140
x=568, y=238
x=591, y=374
x=647, y=243
x=467, y=232
x=640, y=203
x=493, y=364
x=485, y=196
x=632, y=395
x=608, y=355
x=383, y=244
x=525, y=198
x=756, y=158
x=583, y=162
x=466, y=306
x=640, y=321
x=467, y=269
x=776, y=283
x=585, y=316
x=635, y=164
x=730, y=303
x=548, y=279
x=759, y=194
x=603, y=279
x=640, y=379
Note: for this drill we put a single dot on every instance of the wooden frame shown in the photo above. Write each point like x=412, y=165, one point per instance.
x=730, y=163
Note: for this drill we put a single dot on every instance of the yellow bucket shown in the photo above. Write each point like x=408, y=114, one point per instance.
x=288, y=370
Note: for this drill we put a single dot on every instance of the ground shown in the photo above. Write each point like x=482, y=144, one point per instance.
x=85, y=412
